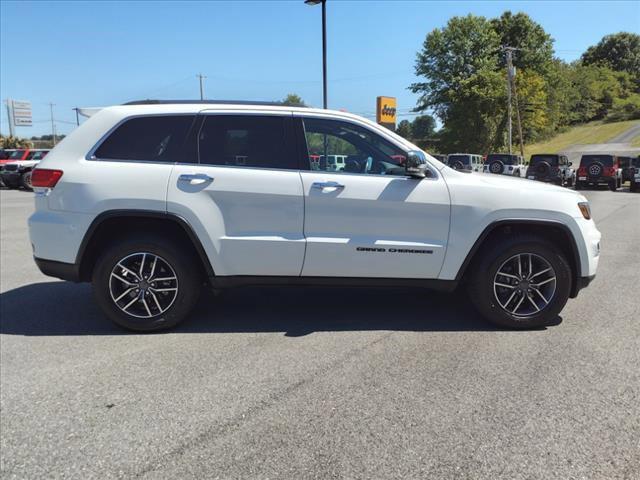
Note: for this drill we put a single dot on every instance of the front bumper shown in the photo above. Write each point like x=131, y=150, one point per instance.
x=11, y=179
x=64, y=271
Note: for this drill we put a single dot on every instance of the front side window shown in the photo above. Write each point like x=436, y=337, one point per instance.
x=337, y=146
x=257, y=141
x=151, y=138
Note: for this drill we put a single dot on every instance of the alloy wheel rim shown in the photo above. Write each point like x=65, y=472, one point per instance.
x=143, y=285
x=28, y=180
x=524, y=285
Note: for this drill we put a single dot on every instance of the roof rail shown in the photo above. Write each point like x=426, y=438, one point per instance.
x=214, y=102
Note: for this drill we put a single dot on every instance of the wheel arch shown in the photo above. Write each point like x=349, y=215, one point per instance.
x=559, y=233
x=103, y=229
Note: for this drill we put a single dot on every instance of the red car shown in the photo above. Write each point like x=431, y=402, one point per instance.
x=14, y=155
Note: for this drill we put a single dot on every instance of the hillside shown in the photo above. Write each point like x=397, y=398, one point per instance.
x=589, y=133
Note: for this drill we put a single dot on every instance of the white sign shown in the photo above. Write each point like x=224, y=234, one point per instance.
x=21, y=112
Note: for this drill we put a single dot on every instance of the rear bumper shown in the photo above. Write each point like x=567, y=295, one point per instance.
x=596, y=180
x=64, y=271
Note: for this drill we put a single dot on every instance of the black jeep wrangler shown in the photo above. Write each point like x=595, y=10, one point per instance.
x=553, y=168
x=625, y=165
x=634, y=175
x=599, y=169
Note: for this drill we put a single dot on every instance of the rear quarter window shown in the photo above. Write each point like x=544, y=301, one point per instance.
x=151, y=138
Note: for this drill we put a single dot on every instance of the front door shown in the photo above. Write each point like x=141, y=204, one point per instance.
x=369, y=219
x=244, y=195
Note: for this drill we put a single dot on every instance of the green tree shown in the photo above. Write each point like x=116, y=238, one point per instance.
x=423, y=128
x=620, y=52
x=450, y=56
x=404, y=129
x=534, y=44
x=293, y=100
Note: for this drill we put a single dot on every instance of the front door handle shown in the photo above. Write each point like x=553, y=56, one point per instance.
x=195, y=178
x=323, y=185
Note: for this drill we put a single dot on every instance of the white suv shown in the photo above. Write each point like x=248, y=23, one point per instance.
x=150, y=201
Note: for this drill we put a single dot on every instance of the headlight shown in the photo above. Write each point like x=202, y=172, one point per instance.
x=585, y=210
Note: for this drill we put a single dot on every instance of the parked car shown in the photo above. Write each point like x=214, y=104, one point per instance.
x=553, y=168
x=440, y=157
x=15, y=155
x=148, y=202
x=598, y=169
x=4, y=154
x=634, y=179
x=625, y=166
x=465, y=162
x=18, y=173
x=505, y=164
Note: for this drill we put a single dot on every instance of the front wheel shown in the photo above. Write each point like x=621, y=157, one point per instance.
x=146, y=283
x=521, y=282
x=26, y=181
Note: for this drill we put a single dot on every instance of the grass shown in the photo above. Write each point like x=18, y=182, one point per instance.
x=636, y=141
x=594, y=132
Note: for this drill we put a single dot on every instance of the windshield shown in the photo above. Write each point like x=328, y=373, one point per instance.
x=506, y=159
x=606, y=160
x=16, y=155
x=550, y=159
x=464, y=159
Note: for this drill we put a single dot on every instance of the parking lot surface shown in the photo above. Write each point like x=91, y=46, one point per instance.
x=321, y=382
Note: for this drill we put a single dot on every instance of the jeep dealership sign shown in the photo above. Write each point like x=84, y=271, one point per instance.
x=386, y=112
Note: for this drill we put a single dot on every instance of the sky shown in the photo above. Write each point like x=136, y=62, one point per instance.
x=105, y=53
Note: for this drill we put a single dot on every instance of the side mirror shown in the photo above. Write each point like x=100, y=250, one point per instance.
x=415, y=166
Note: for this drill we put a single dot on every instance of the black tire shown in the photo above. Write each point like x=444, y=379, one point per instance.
x=480, y=285
x=189, y=282
x=578, y=185
x=613, y=185
x=25, y=181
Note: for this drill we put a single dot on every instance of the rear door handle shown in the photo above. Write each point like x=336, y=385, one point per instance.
x=323, y=185
x=195, y=178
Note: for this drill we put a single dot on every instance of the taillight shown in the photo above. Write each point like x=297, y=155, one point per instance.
x=45, y=178
x=582, y=171
x=611, y=171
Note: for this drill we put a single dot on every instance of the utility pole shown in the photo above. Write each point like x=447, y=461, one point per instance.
x=511, y=88
x=509, y=54
x=11, y=132
x=53, y=125
x=77, y=116
x=515, y=96
x=201, y=77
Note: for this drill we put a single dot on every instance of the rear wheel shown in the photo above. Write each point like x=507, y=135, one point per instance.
x=579, y=185
x=146, y=283
x=613, y=185
x=521, y=282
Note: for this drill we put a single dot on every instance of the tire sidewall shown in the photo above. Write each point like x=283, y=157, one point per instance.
x=484, y=298
x=189, y=284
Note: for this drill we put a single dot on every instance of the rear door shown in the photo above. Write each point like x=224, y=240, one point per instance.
x=369, y=220
x=242, y=193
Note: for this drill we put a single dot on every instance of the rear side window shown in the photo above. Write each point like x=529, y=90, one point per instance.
x=247, y=141
x=153, y=138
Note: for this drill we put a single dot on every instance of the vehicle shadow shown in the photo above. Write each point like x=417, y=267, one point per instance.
x=64, y=308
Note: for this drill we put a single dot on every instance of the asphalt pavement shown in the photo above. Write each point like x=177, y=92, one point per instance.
x=321, y=382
